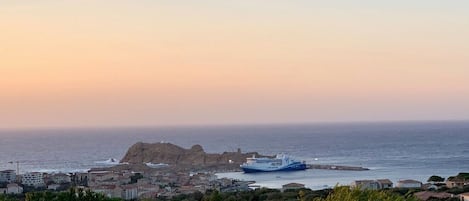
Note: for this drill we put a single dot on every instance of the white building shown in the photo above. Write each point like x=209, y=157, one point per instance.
x=33, y=179
x=129, y=192
x=7, y=176
x=384, y=183
x=365, y=184
x=14, y=188
x=409, y=183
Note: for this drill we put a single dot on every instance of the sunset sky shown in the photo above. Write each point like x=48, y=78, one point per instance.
x=151, y=62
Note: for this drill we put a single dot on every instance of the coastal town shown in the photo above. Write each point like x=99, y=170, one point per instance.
x=149, y=181
x=164, y=182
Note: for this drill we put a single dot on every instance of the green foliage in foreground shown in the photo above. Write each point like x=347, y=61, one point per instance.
x=7, y=198
x=256, y=195
x=71, y=195
x=337, y=194
x=347, y=194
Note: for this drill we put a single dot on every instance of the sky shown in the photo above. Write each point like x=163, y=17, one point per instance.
x=149, y=62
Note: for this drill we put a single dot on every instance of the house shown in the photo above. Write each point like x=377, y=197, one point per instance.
x=80, y=178
x=455, y=182
x=365, y=184
x=129, y=192
x=33, y=179
x=427, y=195
x=7, y=176
x=111, y=191
x=464, y=196
x=409, y=183
x=3, y=191
x=292, y=186
x=14, y=188
x=147, y=190
x=98, y=178
x=60, y=178
x=384, y=183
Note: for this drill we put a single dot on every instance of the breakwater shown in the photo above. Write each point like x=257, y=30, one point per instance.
x=336, y=167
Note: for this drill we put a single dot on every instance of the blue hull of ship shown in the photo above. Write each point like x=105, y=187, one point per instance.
x=286, y=169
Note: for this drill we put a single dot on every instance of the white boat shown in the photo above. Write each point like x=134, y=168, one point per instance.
x=156, y=165
x=111, y=161
x=281, y=162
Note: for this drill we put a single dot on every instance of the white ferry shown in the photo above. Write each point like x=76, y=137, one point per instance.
x=279, y=163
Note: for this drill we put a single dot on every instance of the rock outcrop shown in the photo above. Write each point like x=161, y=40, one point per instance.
x=174, y=155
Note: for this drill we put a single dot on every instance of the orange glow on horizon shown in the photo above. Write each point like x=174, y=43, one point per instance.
x=148, y=63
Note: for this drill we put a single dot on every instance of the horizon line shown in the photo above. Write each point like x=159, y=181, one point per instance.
x=214, y=125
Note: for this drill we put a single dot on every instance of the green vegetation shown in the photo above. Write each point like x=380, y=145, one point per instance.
x=436, y=178
x=7, y=198
x=347, y=194
x=256, y=195
x=70, y=195
x=337, y=194
x=463, y=175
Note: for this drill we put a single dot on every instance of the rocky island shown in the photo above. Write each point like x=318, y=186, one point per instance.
x=176, y=156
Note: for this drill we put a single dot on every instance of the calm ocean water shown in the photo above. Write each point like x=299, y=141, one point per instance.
x=396, y=151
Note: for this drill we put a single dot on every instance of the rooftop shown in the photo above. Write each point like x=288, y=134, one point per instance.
x=425, y=195
x=295, y=185
x=409, y=181
x=384, y=181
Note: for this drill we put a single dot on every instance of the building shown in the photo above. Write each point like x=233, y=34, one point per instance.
x=365, y=184
x=33, y=179
x=106, y=178
x=111, y=191
x=384, y=183
x=147, y=190
x=427, y=195
x=60, y=178
x=409, y=183
x=80, y=178
x=372, y=184
x=464, y=196
x=7, y=176
x=129, y=192
x=292, y=186
x=126, y=192
x=455, y=182
x=14, y=188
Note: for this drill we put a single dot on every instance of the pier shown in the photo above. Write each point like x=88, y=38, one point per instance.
x=336, y=167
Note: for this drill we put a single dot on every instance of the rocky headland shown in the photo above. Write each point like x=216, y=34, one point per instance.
x=176, y=156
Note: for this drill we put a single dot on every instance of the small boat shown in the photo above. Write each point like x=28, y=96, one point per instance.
x=111, y=161
x=156, y=165
x=281, y=162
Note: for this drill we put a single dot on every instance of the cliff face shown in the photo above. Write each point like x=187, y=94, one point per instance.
x=172, y=154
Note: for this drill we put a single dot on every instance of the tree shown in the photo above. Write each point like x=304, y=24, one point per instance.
x=215, y=196
x=346, y=194
x=435, y=178
x=7, y=198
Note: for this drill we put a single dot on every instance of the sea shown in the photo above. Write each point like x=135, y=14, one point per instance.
x=392, y=150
